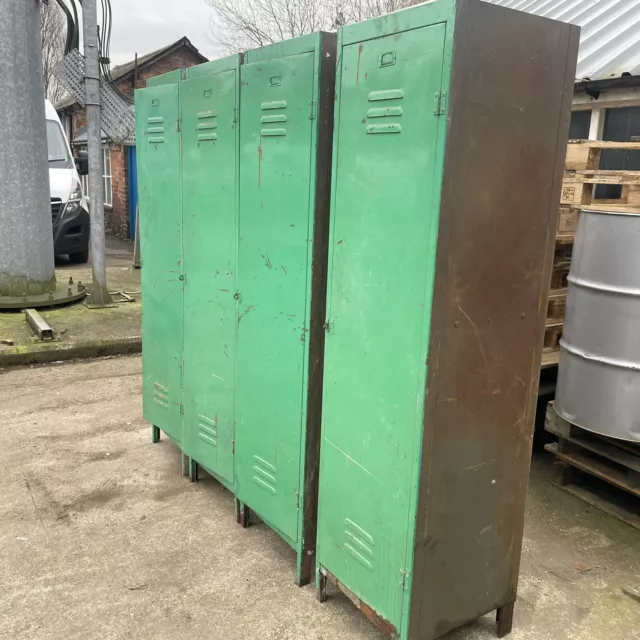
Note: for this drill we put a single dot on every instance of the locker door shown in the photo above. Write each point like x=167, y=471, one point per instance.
x=209, y=166
x=274, y=251
x=381, y=265
x=158, y=146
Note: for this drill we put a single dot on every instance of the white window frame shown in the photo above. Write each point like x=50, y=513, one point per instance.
x=107, y=178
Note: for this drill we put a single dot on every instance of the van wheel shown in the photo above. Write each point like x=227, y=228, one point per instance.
x=81, y=257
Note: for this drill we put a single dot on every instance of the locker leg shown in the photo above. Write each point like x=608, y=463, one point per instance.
x=504, y=619
x=321, y=585
x=243, y=514
x=304, y=569
x=155, y=434
x=193, y=470
x=185, y=464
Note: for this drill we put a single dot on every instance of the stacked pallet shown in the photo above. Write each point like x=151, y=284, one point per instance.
x=602, y=471
x=582, y=174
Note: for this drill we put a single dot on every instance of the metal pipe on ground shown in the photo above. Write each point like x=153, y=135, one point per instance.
x=26, y=242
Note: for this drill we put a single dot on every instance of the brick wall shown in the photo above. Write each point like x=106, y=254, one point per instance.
x=181, y=58
x=117, y=218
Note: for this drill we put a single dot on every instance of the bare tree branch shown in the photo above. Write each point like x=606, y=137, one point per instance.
x=53, y=29
x=239, y=25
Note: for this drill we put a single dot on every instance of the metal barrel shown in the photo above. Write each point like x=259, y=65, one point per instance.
x=599, y=374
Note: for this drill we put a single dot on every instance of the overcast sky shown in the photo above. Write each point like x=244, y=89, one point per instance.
x=140, y=26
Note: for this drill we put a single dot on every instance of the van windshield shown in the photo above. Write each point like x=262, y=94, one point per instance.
x=57, y=146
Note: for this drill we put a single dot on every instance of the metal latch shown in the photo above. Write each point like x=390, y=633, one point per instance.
x=328, y=326
x=404, y=579
x=441, y=103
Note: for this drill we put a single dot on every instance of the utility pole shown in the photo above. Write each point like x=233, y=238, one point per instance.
x=26, y=242
x=99, y=296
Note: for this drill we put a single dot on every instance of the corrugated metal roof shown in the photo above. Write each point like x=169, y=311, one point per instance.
x=609, y=42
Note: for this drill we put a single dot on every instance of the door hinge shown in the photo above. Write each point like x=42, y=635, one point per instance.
x=441, y=103
x=297, y=500
x=404, y=580
x=233, y=446
x=328, y=326
x=181, y=409
x=235, y=114
x=312, y=109
x=179, y=124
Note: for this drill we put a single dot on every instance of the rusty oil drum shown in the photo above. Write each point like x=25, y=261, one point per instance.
x=599, y=373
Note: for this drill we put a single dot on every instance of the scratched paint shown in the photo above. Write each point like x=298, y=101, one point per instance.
x=278, y=134
x=162, y=292
x=375, y=354
x=210, y=175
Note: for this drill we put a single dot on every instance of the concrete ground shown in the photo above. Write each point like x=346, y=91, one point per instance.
x=102, y=537
x=80, y=332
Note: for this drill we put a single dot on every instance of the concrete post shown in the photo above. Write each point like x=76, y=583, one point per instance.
x=99, y=296
x=26, y=237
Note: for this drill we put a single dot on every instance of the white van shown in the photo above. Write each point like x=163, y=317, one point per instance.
x=69, y=209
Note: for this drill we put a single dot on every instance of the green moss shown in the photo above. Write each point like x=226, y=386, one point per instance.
x=11, y=285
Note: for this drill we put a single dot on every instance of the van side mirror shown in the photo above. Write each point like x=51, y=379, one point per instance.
x=82, y=162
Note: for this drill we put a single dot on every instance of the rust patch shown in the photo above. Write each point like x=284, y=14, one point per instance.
x=384, y=625
x=339, y=241
x=358, y=68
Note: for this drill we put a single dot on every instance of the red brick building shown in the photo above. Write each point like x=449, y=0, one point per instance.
x=116, y=158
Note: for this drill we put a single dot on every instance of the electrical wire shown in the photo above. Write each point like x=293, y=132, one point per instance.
x=104, y=39
x=104, y=46
x=76, y=31
x=71, y=27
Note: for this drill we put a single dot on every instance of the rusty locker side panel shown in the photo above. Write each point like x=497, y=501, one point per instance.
x=509, y=108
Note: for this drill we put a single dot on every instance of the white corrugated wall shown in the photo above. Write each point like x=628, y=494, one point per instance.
x=610, y=38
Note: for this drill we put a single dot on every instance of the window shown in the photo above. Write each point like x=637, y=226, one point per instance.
x=579, y=127
x=57, y=147
x=106, y=178
x=620, y=125
x=106, y=175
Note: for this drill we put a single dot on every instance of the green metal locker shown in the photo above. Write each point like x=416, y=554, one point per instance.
x=209, y=99
x=447, y=167
x=160, y=202
x=285, y=132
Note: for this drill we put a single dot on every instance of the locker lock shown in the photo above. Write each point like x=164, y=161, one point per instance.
x=181, y=278
x=236, y=295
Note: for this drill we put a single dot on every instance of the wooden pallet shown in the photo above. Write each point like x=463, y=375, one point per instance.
x=583, y=455
x=585, y=154
x=550, y=358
